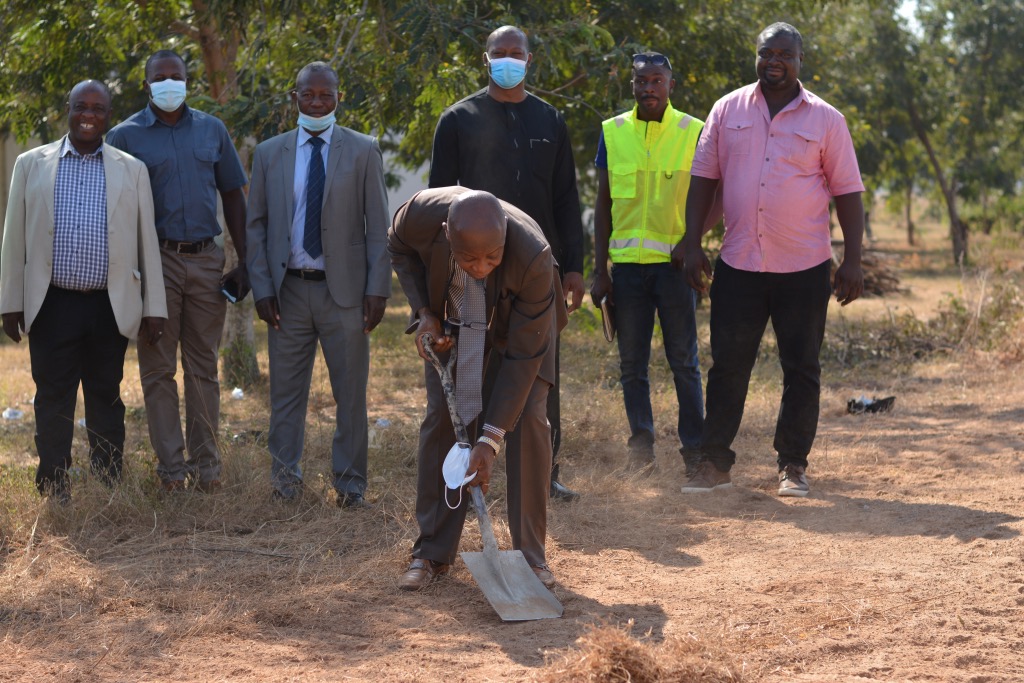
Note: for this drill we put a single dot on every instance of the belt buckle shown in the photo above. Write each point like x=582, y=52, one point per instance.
x=179, y=245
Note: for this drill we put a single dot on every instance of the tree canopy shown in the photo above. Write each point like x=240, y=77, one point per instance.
x=930, y=105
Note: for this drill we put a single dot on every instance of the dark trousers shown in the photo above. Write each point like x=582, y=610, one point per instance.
x=742, y=303
x=553, y=407
x=554, y=410
x=74, y=340
x=527, y=465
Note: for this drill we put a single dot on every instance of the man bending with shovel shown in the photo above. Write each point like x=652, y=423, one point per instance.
x=480, y=277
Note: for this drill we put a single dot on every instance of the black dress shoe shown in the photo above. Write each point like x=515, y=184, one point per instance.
x=352, y=500
x=286, y=495
x=560, y=491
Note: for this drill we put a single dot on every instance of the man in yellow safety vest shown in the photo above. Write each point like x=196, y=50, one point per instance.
x=643, y=166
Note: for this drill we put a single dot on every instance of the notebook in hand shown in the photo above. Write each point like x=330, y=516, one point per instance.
x=608, y=318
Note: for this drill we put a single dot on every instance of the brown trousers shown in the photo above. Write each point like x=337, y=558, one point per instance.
x=195, y=320
x=528, y=471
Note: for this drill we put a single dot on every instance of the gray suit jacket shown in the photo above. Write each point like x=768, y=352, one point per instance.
x=135, y=281
x=355, y=217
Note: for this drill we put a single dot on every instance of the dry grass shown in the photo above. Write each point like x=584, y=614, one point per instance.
x=132, y=585
x=609, y=654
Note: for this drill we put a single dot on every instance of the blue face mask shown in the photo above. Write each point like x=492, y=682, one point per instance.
x=168, y=94
x=507, y=72
x=316, y=123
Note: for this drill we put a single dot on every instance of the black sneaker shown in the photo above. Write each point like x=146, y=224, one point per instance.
x=563, y=493
x=352, y=500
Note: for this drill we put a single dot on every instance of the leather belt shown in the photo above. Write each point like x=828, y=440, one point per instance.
x=308, y=274
x=186, y=247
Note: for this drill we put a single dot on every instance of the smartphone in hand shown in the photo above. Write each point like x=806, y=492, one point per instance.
x=229, y=288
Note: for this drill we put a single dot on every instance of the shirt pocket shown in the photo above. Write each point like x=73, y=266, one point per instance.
x=622, y=181
x=737, y=134
x=207, y=155
x=668, y=184
x=806, y=149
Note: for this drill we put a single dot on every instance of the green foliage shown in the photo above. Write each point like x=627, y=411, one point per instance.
x=990, y=321
x=951, y=78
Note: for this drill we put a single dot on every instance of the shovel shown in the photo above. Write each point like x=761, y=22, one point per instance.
x=504, y=576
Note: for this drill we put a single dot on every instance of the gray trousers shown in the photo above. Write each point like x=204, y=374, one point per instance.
x=195, y=320
x=527, y=466
x=309, y=315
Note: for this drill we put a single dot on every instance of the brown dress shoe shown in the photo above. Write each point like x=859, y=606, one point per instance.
x=707, y=478
x=211, y=486
x=793, y=482
x=545, y=576
x=420, y=573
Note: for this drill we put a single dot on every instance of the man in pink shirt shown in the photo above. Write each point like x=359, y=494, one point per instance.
x=780, y=153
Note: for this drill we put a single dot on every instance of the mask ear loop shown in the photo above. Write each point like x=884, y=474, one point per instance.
x=457, y=505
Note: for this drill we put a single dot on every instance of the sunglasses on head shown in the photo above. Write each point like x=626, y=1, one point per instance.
x=640, y=61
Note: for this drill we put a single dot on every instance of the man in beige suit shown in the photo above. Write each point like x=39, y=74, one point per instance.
x=80, y=274
x=318, y=266
x=442, y=242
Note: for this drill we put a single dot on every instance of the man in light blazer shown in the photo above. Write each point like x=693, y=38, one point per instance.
x=318, y=266
x=439, y=240
x=80, y=274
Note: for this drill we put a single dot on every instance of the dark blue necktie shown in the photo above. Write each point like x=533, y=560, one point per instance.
x=315, y=177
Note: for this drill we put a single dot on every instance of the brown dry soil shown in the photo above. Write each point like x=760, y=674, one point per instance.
x=906, y=562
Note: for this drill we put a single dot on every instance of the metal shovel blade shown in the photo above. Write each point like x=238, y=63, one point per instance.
x=505, y=577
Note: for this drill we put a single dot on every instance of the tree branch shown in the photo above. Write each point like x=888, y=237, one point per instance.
x=185, y=29
x=577, y=100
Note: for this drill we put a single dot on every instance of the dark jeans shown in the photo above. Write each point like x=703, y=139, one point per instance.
x=639, y=291
x=742, y=303
x=74, y=339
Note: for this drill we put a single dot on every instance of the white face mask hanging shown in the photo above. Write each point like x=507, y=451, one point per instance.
x=456, y=463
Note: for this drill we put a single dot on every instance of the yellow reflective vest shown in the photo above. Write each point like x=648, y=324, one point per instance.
x=649, y=176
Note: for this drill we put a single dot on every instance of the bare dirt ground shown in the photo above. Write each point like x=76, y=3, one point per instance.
x=906, y=562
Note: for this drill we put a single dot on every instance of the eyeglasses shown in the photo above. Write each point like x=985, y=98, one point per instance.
x=458, y=322
x=640, y=61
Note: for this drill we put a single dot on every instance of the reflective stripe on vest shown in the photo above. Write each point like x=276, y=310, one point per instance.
x=636, y=242
x=648, y=178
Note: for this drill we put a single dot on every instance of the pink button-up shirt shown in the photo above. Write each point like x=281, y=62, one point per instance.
x=778, y=176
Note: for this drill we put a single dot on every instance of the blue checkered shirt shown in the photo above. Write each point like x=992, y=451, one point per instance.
x=80, y=249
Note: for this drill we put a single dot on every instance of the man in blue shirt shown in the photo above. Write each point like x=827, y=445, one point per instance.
x=191, y=159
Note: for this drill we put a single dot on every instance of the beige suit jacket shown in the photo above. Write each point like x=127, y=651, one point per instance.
x=134, y=277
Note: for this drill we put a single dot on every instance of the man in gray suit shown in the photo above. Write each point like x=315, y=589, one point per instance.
x=318, y=265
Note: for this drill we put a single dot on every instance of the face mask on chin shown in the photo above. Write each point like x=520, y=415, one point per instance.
x=167, y=95
x=507, y=72
x=316, y=124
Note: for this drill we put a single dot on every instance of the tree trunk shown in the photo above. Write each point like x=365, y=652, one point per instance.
x=957, y=228
x=987, y=219
x=219, y=45
x=907, y=212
